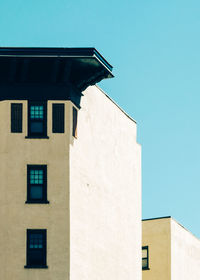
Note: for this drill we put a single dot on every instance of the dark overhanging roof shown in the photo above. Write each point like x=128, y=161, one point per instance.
x=80, y=66
x=56, y=52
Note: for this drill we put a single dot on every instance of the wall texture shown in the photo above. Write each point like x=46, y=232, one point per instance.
x=156, y=234
x=105, y=193
x=185, y=253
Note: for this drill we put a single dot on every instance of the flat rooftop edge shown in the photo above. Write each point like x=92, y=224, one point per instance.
x=157, y=218
x=178, y=223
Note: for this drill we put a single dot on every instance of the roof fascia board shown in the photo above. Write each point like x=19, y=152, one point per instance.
x=55, y=52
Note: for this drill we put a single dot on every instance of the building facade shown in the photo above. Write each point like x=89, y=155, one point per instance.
x=169, y=251
x=70, y=170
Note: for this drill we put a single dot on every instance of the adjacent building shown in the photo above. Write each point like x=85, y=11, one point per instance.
x=70, y=169
x=169, y=251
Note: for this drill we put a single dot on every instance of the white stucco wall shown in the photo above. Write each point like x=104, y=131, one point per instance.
x=185, y=254
x=105, y=193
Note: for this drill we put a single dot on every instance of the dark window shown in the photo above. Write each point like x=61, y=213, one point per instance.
x=37, y=119
x=145, y=257
x=16, y=117
x=75, y=119
x=58, y=118
x=37, y=184
x=36, y=248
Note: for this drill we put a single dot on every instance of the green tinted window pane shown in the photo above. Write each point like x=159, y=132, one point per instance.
x=36, y=126
x=36, y=176
x=36, y=192
x=36, y=112
x=36, y=241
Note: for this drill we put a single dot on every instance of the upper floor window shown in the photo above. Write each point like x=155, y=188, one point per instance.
x=58, y=118
x=36, y=248
x=16, y=117
x=145, y=257
x=37, y=119
x=37, y=184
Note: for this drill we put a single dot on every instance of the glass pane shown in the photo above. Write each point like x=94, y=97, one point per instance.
x=36, y=257
x=144, y=253
x=36, y=236
x=144, y=263
x=36, y=192
x=36, y=177
x=36, y=127
x=36, y=112
x=36, y=241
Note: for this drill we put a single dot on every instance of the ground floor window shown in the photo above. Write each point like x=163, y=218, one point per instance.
x=36, y=248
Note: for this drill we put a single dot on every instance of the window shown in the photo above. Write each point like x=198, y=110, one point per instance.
x=16, y=117
x=36, y=248
x=58, y=118
x=145, y=257
x=37, y=119
x=36, y=184
x=75, y=119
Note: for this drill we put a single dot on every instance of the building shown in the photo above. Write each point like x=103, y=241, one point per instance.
x=169, y=251
x=70, y=169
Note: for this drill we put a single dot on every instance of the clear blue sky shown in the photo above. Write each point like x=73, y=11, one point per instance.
x=154, y=47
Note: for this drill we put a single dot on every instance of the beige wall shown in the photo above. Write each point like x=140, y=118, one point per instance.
x=16, y=216
x=185, y=254
x=105, y=193
x=156, y=235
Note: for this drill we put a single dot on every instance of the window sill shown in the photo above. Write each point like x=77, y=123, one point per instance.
x=36, y=266
x=146, y=268
x=36, y=137
x=36, y=202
